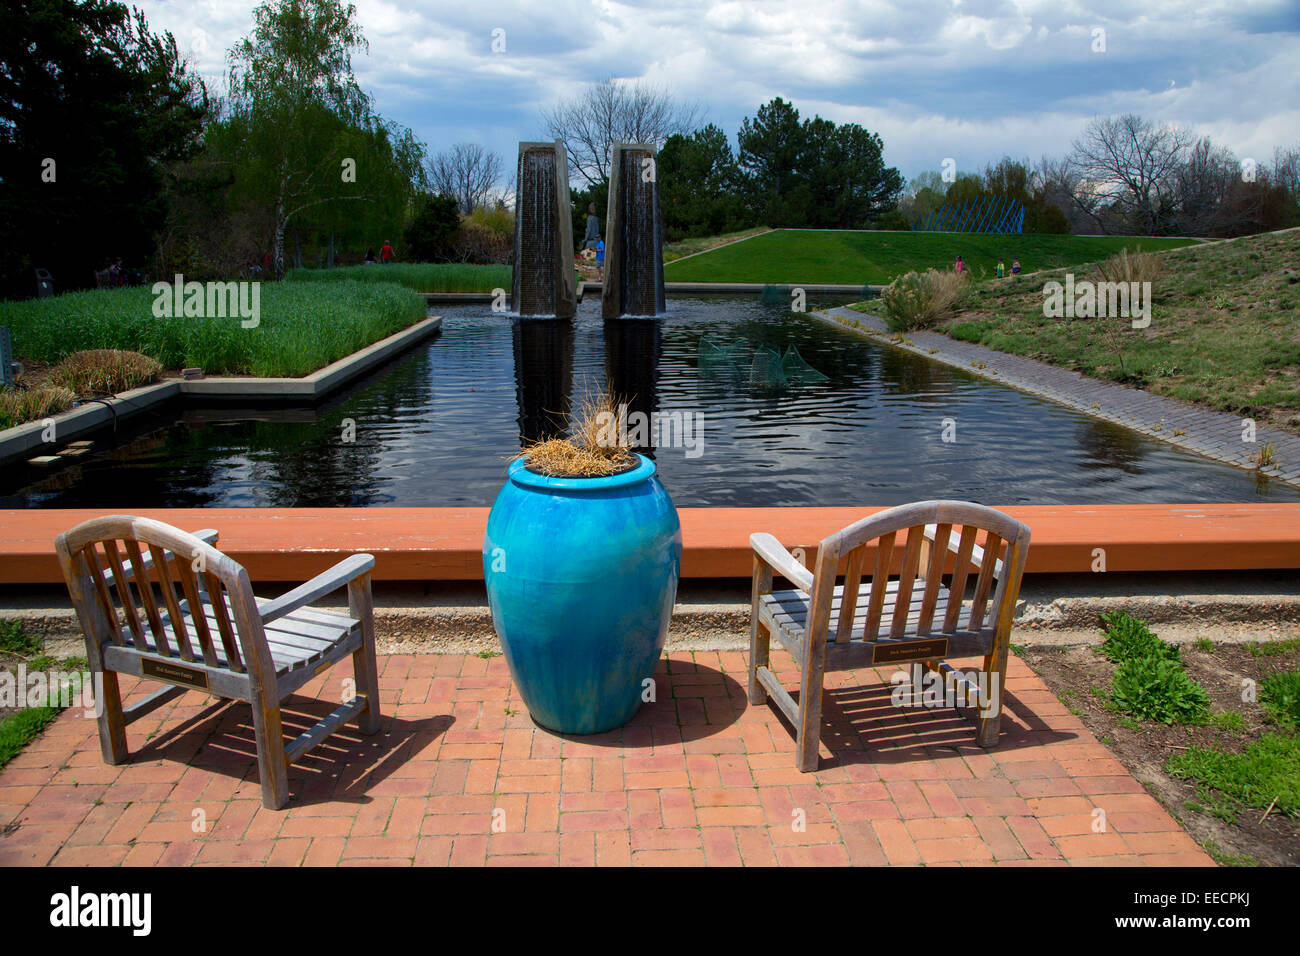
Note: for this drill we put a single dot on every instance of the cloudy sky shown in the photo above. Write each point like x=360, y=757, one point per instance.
x=968, y=79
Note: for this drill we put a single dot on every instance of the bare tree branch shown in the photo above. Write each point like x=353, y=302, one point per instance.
x=616, y=111
x=1134, y=162
x=467, y=172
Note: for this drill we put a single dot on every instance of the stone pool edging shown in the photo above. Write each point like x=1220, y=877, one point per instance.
x=22, y=440
x=1212, y=434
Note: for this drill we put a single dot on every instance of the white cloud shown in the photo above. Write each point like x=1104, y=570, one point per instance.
x=962, y=78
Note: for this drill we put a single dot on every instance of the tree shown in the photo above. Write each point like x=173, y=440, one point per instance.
x=1203, y=184
x=93, y=109
x=431, y=230
x=1018, y=180
x=769, y=149
x=815, y=173
x=1131, y=164
x=699, y=185
x=467, y=172
x=849, y=182
x=301, y=132
x=615, y=111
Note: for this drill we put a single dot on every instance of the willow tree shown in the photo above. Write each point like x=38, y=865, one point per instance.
x=303, y=135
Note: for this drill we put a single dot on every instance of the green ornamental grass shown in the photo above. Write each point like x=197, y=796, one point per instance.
x=302, y=327
x=418, y=276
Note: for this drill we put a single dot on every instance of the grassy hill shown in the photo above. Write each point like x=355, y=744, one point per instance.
x=876, y=258
x=1224, y=332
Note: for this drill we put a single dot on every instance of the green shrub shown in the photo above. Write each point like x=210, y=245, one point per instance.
x=1279, y=695
x=1155, y=688
x=500, y=221
x=919, y=301
x=1266, y=770
x=1128, y=638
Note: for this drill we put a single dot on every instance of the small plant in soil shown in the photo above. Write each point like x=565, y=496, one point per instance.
x=1155, y=688
x=1127, y=638
x=1267, y=457
x=15, y=640
x=1279, y=695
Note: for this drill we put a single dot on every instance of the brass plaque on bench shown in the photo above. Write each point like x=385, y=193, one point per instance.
x=922, y=650
x=176, y=673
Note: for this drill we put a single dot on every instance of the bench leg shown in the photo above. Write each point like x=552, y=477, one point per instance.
x=272, y=768
x=759, y=656
x=810, y=705
x=364, y=666
x=112, y=722
x=989, y=718
x=759, y=638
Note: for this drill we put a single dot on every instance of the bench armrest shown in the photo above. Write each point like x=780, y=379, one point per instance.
x=770, y=551
x=349, y=569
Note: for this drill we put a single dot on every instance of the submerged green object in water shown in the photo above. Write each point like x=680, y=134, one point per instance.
x=763, y=367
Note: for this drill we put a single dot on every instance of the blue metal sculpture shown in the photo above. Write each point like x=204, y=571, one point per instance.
x=991, y=214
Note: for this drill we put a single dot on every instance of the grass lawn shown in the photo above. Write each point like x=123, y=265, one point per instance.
x=19, y=726
x=688, y=247
x=1224, y=332
x=420, y=276
x=876, y=258
x=303, y=326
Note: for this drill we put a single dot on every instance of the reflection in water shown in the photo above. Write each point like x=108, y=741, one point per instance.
x=632, y=349
x=1110, y=446
x=905, y=375
x=543, y=377
x=437, y=427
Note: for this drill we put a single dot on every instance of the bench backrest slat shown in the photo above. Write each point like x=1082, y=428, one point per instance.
x=960, y=572
x=934, y=556
x=217, y=597
x=884, y=555
x=145, y=588
x=175, y=617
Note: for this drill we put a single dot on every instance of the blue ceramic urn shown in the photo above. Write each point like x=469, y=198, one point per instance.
x=581, y=578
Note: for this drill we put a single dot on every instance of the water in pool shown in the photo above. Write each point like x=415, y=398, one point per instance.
x=436, y=427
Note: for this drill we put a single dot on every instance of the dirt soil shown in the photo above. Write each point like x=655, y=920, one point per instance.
x=1081, y=678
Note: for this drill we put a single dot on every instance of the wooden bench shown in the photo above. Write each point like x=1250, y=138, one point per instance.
x=954, y=596
x=185, y=615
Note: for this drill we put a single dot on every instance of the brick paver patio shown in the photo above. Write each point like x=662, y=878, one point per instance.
x=461, y=775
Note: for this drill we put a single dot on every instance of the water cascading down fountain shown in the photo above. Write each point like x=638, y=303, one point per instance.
x=543, y=283
x=633, y=284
